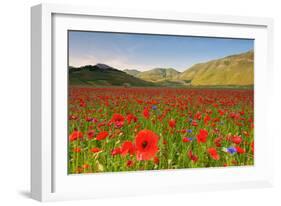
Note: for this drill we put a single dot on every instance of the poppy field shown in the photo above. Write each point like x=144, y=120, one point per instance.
x=114, y=129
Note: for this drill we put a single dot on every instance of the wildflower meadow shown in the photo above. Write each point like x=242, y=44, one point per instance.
x=114, y=129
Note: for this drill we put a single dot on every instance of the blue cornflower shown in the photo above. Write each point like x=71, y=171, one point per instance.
x=154, y=107
x=190, y=138
x=189, y=131
x=231, y=150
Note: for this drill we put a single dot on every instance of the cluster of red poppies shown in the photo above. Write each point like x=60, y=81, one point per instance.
x=121, y=129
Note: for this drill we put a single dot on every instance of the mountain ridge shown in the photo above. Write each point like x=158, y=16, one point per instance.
x=103, y=75
x=236, y=69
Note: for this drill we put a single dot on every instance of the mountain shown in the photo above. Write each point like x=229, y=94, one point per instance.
x=103, y=75
x=159, y=74
x=132, y=72
x=231, y=70
x=103, y=66
x=234, y=70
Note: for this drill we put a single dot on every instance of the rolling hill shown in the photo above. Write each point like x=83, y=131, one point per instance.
x=231, y=70
x=103, y=75
x=159, y=74
x=132, y=72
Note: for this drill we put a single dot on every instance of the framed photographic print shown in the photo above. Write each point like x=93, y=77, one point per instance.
x=137, y=102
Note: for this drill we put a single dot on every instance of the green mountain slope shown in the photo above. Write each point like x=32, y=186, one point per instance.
x=132, y=72
x=231, y=70
x=103, y=75
x=159, y=74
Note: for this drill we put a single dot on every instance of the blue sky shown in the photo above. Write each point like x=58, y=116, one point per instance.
x=144, y=52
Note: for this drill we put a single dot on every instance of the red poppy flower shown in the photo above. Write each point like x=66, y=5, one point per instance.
x=130, y=163
x=234, y=115
x=156, y=160
x=146, y=144
x=239, y=150
x=91, y=134
x=253, y=146
x=207, y=118
x=88, y=119
x=116, y=151
x=172, y=123
x=202, y=136
x=75, y=135
x=186, y=139
x=102, y=124
x=82, y=104
x=131, y=118
x=128, y=148
x=215, y=105
x=102, y=135
x=221, y=112
x=216, y=119
x=213, y=124
x=117, y=120
x=85, y=166
x=198, y=115
x=236, y=139
x=77, y=149
x=213, y=153
x=194, y=123
x=95, y=150
x=146, y=113
x=217, y=141
x=191, y=156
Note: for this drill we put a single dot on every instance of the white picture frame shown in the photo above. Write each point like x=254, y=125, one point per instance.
x=49, y=179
